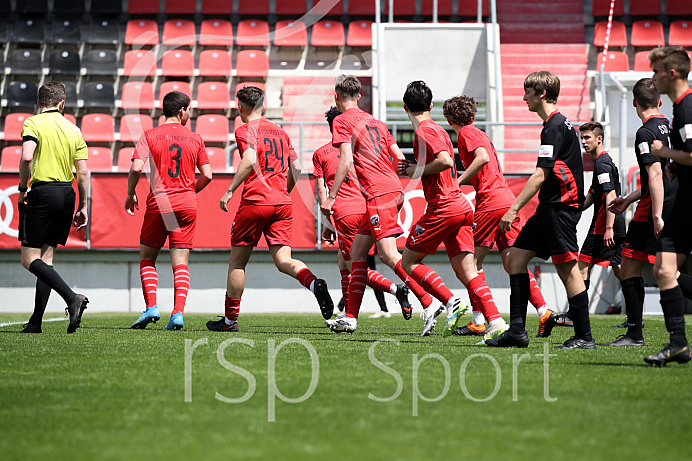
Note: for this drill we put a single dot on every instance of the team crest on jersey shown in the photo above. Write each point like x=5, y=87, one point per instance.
x=644, y=148
x=375, y=220
x=232, y=226
x=568, y=124
x=545, y=151
x=603, y=178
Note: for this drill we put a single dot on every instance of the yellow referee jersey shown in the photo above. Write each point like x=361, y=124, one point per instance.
x=59, y=144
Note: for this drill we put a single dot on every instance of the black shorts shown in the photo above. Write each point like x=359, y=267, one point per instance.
x=594, y=252
x=640, y=242
x=551, y=232
x=47, y=216
x=675, y=237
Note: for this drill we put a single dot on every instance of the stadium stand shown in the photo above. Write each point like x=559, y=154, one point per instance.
x=290, y=33
x=104, y=32
x=212, y=128
x=328, y=33
x=167, y=87
x=616, y=61
x=216, y=32
x=217, y=7
x=100, y=159
x=9, y=159
x=37, y=7
x=143, y=7
x=101, y=62
x=213, y=95
x=445, y=8
x=139, y=63
x=142, y=32
x=359, y=34
x=294, y=8
x=106, y=7
x=253, y=7
x=678, y=8
x=618, y=34
x=180, y=7
x=25, y=62
x=253, y=33
x=644, y=8
x=64, y=62
x=177, y=63
x=65, y=32
x=179, y=32
x=217, y=159
x=125, y=159
x=647, y=33
x=71, y=101
x=98, y=95
x=602, y=8
x=69, y=7
x=22, y=94
x=215, y=63
x=13, y=126
x=252, y=63
x=327, y=8
x=28, y=31
x=133, y=125
x=98, y=128
x=137, y=96
x=641, y=61
x=402, y=8
x=468, y=8
x=680, y=33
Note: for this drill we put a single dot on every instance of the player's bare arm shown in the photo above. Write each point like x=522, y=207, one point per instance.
x=480, y=160
x=131, y=201
x=620, y=204
x=294, y=169
x=588, y=201
x=609, y=235
x=530, y=189
x=28, y=148
x=656, y=190
x=205, y=178
x=395, y=152
x=658, y=149
x=442, y=161
x=345, y=164
x=81, y=217
x=247, y=163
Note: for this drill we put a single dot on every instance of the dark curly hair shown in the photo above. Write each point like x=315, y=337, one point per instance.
x=460, y=110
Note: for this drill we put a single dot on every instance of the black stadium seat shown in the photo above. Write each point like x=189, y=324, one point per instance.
x=22, y=94
x=102, y=62
x=64, y=62
x=104, y=32
x=25, y=62
x=65, y=31
x=29, y=30
x=70, y=94
x=98, y=95
x=106, y=7
x=32, y=6
x=62, y=8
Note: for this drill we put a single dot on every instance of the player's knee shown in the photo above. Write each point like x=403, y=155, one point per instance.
x=664, y=272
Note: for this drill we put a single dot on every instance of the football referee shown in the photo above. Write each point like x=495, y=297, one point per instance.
x=50, y=146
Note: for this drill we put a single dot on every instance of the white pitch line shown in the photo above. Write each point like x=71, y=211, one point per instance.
x=57, y=319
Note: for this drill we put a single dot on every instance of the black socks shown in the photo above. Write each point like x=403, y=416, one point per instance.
x=579, y=313
x=518, y=301
x=673, y=306
x=40, y=301
x=633, y=292
x=47, y=275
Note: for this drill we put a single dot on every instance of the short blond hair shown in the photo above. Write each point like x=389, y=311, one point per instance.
x=672, y=57
x=544, y=80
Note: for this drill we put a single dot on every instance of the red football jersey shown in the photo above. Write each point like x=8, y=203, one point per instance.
x=440, y=188
x=350, y=200
x=370, y=140
x=173, y=152
x=492, y=191
x=266, y=184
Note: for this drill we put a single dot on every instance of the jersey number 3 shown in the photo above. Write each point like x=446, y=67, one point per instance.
x=176, y=159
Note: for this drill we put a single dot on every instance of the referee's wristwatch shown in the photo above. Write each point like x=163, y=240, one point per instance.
x=22, y=189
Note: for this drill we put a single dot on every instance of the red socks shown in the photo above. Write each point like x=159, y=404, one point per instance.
x=359, y=278
x=305, y=277
x=150, y=281
x=377, y=281
x=425, y=299
x=482, y=298
x=535, y=295
x=232, y=308
x=181, y=285
x=345, y=280
x=432, y=283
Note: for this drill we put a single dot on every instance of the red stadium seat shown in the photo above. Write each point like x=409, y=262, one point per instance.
x=213, y=95
x=602, y=8
x=216, y=32
x=252, y=63
x=179, y=32
x=167, y=87
x=133, y=125
x=252, y=32
x=253, y=7
x=618, y=34
x=139, y=63
x=177, y=63
x=143, y=7
x=647, y=33
x=293, y=8
x=215, y=63
x=359, y=33
x=402, y=7
x=212, y=128
x=180, y=7
x=13, y=125
x=217, y=7
x=644, y=7
x=290, y=33
x=616, y=61
x=641, y=62
x=100, y=159
x=470, y=8
x=328, y=33
x=444, y=7
x=10, y=157
x=360, y=8
x=98, y=128
x=70, y=118
x=125, y=159
x=325, y=8
x=217, y=159
x=137, y=95
x=141, y=32
x=679, y=7
x=680, y=33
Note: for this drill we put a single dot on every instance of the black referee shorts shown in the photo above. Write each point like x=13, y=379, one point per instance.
x=551, y=232
x=47, y=216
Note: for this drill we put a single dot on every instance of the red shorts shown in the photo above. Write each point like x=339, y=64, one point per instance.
x=433, y=228
x=486, y=230
x=346, y=230
x=275, y=221
x=178, y=226
x=381, y=218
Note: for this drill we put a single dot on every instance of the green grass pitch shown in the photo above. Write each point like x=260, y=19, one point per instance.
x=110, y=393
